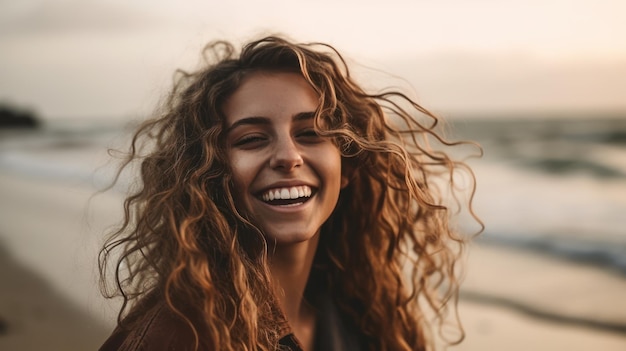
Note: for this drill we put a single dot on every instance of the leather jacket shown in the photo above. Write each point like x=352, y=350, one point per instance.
x=162, y=330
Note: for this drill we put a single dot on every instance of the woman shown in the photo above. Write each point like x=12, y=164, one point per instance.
x=283, y=207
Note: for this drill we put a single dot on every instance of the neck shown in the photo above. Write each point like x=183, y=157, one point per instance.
x=290, y=266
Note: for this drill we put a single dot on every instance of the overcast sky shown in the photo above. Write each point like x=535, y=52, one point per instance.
x=112, y=59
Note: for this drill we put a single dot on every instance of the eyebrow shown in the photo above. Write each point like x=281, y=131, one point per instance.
x=258, y=120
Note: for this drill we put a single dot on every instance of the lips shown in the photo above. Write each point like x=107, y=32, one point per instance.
x=287, y=195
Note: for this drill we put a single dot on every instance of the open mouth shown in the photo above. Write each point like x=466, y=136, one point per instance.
x=289, y=196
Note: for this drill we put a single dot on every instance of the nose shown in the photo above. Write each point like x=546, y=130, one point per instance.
x=286, y=155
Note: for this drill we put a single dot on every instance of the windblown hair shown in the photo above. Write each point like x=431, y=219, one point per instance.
x=390, y=261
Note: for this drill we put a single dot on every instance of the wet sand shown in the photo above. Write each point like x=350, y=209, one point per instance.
x=34, y=316
x=49, y=237
x=50, y=233
x=515, y=299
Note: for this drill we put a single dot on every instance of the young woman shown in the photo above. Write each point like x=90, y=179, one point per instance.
x=282, y=207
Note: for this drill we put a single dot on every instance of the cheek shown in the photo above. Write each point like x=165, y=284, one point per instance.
x=240, y=168
x=333, y=168
x=241, y=175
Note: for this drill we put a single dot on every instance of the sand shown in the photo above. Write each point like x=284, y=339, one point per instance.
x=50, y=232
x=36, y=316
x=513, y=299
x=49, y=236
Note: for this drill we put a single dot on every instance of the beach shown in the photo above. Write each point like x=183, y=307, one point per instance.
x=49, y=292
x=513, y=299
x=53, y=221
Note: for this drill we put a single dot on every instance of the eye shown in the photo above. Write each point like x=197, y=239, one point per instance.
x=250, y=140
x=308, y=135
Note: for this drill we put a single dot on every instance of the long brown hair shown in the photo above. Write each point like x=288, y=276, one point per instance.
x=390, y=262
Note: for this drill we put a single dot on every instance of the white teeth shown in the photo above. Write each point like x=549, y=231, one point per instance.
x=293, y=192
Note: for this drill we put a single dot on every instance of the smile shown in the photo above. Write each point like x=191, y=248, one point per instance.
x=287, y=196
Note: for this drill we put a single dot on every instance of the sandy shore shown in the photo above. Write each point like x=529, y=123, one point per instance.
x=513, y=299
x=36, y=316
x=50, y=233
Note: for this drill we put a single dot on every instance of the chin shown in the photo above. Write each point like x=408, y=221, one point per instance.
x=288, y=238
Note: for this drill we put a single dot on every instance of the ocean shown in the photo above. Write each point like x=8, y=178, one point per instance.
x=554, y=185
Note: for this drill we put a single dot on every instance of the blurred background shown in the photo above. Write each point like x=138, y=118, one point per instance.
x=540, y=84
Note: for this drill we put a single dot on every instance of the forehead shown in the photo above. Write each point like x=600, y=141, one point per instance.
x=270, y=95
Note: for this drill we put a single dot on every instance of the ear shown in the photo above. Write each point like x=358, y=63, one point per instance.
x=344, y=181
x=347, y=173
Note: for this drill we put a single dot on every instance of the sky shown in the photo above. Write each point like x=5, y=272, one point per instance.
x=67, y=59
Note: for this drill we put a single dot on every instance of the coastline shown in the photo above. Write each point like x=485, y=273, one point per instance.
x=51, y=232
x=517, y=299
x=35, y=316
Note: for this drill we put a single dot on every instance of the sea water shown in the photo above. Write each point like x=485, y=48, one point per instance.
x=557, y=185
x=82, y=153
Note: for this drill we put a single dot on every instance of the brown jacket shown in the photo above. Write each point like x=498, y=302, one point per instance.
x=164, y=331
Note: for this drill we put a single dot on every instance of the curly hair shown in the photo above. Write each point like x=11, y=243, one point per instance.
x=390, y=263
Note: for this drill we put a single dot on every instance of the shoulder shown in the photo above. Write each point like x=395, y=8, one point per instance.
x=158, y=329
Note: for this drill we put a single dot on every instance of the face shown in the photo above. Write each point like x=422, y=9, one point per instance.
x=286, y=178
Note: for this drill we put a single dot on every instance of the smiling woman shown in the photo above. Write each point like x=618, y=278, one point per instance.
x=281, y=207
x=275, y=155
